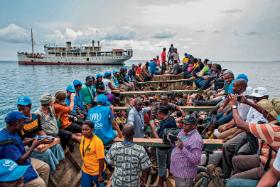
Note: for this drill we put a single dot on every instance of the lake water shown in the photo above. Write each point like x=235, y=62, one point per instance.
x=16, y=80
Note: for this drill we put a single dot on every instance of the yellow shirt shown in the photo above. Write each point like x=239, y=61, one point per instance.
x=185, y=60
x=91, y=151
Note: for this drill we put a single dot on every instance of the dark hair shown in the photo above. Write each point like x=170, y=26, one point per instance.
x=90, y=124
x=163, y=109
x=219, y=67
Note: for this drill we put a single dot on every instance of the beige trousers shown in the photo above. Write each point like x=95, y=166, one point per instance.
x=43, y=171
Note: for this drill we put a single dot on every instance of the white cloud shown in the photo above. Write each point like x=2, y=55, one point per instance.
x=14, y=34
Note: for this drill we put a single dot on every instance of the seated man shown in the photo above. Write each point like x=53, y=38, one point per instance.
x=268, y=146
x=12, y=147
x=31, y=128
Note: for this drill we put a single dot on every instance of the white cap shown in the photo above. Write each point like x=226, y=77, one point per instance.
x=259, y=92
x=248, y=91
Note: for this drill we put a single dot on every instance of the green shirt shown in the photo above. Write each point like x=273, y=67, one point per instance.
x=88, y=94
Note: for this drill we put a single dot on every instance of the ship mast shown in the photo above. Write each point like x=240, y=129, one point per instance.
x=32, y=41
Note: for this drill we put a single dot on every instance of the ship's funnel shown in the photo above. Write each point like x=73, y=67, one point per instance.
x=92, y=43
x=98, y=43
x=68, y=44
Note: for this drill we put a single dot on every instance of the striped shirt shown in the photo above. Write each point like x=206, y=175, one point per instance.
x=184, y=161
x=269, y=135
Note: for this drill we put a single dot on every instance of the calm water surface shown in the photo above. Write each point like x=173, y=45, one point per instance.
x=16, y=80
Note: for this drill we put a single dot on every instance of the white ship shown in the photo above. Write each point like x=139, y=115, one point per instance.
x=72, y=55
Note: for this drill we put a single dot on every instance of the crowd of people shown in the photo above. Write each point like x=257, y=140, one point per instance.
x=33, y=144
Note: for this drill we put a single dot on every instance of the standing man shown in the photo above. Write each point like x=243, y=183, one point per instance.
x=186, y=155
x=129, y=160
x=12, y=147
x=136, y=118
x=170, y=54
x=163, y=60
x=163, y=153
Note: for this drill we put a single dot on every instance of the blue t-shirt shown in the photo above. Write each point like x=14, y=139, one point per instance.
x=78, y=102
x=153, y=67
x=14, y=151
x=102, y=117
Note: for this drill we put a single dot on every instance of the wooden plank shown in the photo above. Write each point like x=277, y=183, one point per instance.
x=158, y=92
x=186, y=108
x=164, y=81
x=209, y=144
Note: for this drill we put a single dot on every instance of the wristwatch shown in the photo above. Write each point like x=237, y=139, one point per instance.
x=234, y=107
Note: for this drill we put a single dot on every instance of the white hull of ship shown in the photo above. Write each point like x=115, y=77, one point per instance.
x=53, y=60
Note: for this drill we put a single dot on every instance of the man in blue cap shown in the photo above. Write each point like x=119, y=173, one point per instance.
x=11, y=174
x=79, y=107
x=102, y=117
x=32, y=128
x=12, y=147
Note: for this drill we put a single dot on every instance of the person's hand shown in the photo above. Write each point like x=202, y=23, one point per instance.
x=120, y=135
x=48, y=141
x=232, y=100
x=41, y=146
x=81, y=116
x=26, y=141
x=100, y=179
x=37, y=142
x=179, y=144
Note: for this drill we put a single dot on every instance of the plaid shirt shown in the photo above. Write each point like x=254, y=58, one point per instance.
x=129, y=160
x=184, y=161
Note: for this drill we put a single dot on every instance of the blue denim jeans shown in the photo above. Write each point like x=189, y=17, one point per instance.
x=88, y=180
x=163, y=160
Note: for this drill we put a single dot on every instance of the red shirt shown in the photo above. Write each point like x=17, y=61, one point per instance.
x=163, y=57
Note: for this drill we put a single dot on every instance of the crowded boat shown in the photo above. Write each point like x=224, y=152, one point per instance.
x=170, y=121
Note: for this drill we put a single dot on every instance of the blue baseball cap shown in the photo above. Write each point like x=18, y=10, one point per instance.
x=103, y=100
x=24, y=100
x=106, y=74
x=242, y=76
x=115, y=71
x=77, y=82
x=14, y=116
x=98, y=75
x=10, y=171
x=70, y=88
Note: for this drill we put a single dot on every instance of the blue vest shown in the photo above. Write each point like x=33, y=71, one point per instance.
x=14, y=151
x=102, y=117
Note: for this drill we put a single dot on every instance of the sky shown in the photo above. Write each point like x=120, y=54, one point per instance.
x=216, y=29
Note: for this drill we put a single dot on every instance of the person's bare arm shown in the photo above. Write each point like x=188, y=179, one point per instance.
x=27, y=154
x=154, y=131
x=270, y=178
